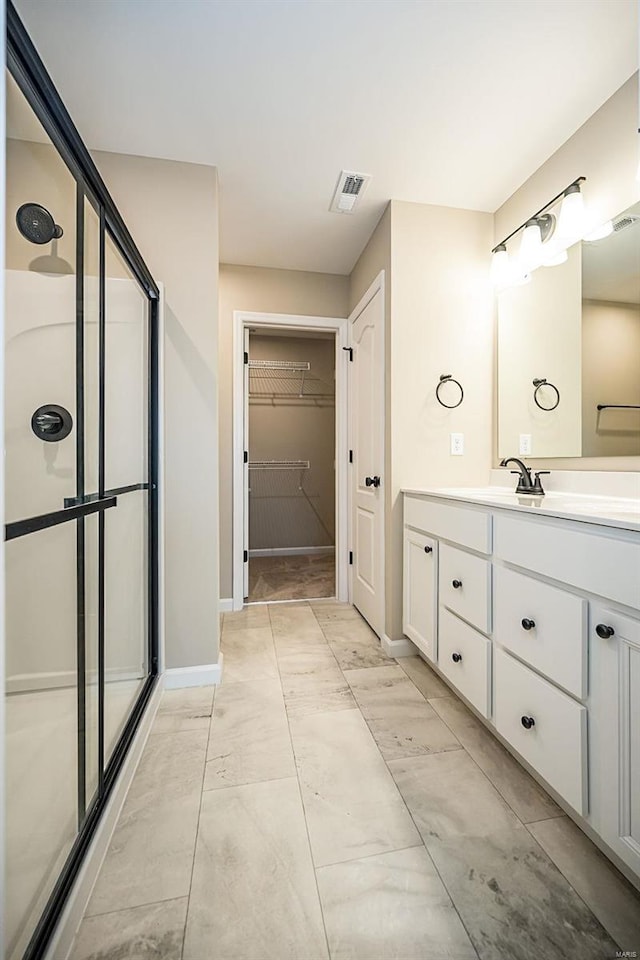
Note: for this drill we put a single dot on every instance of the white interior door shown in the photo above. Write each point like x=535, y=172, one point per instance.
x=367, y=443
x=245, y=471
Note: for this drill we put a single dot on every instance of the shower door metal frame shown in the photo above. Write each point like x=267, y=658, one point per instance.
x=27, y=69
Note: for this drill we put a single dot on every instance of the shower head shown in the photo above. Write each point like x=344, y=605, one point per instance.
x=36, y=224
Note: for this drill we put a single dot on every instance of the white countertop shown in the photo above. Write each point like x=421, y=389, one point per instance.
x=617, y=512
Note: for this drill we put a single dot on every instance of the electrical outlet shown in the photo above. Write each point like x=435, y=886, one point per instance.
x=525, y=444
x=457, y=444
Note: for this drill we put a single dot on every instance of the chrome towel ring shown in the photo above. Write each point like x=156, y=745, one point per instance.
x=545, y=383
x=447, y=378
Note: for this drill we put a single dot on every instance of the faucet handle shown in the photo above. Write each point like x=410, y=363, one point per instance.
x=537, y=484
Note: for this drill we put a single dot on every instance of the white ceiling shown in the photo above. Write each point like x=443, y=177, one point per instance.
x=451, y=102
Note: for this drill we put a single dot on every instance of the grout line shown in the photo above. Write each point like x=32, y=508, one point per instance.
x=371, y=856
x=304, y=816
x=195, y=844
x=558, y=816
x=135, y=906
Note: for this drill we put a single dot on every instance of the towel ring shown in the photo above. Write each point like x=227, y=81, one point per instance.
x=447, y=378
x=545, y=383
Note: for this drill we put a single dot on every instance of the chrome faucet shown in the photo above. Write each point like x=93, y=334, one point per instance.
x=525, y=483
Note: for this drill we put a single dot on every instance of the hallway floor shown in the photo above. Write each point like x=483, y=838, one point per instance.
x=293, y=577
x=330, y=802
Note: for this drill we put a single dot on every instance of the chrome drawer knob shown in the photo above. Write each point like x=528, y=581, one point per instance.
x=456, y=584
x=456, y=657
x=604, y=631
x=527, y=722
x=528, y=624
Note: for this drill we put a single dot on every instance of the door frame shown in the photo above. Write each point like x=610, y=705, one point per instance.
x=378, y=286
x=341, y=327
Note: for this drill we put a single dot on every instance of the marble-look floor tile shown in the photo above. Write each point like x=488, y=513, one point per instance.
x=188, y=709
x=334, y=610
x=249, y=654
x=292, y=577
x=400, y=719
x=151, y=852
x=426, y=680
x=513, y=901
x=152, y=932
x=249, y=737
x=312, y=681
x=606, y=892
x=254, y=894
x=352, y=805
x=391, y=907
x=354, y=644
x=448, y=796
x=249, y=617
x=525, y=797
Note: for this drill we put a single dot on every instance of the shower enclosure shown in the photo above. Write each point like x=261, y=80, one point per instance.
x=81, y=497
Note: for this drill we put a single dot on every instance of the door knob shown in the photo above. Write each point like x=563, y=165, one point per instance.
x=372, y=481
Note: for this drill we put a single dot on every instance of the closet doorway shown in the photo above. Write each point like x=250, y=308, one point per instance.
x=289, y=481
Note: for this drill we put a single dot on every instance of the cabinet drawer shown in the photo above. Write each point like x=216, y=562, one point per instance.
x=420, y=571
x=464, y=525
x=545, y=626
x=556, y=744
x=465, y=585
x=593, y=561
x=464, y=656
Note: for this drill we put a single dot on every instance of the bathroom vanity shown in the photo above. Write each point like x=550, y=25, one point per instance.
x=529, y=607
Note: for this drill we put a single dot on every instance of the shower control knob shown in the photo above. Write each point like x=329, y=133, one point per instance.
x=51, y=423
x=456, y=657
x=372, y=481
x=604, y=631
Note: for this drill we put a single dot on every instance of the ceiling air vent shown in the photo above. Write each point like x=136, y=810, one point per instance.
x=348, y=192
x=624, y=222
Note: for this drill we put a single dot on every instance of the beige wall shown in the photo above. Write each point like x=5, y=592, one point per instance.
x=439, y=319
x=260, y=290
x=171, y=210
x=293, y=428
x=610, y=374
x=605, y=151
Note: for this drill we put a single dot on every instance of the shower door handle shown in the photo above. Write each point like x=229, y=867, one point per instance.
x=45, y=520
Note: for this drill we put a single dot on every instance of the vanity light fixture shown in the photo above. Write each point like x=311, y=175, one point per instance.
x=537, y=230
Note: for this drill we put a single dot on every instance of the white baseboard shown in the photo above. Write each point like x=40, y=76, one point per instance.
x=291, y=551
x=202, y=675
x=398, y=648
x=62, y=941
x=226, y=605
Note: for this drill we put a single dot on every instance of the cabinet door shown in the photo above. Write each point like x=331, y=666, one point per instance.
x=615, y=731
x=420, y=602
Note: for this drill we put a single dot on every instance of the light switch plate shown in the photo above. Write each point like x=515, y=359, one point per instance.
x=525, y=444
x=457, y=444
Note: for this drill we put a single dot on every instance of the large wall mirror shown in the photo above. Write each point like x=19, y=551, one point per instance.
x=569, y=352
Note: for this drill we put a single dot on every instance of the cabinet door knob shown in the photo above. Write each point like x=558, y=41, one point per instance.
x=604, y=631
x=428, y=549
x=456, y=584
x=528, y=624
x=527, y=722
x=456, y=657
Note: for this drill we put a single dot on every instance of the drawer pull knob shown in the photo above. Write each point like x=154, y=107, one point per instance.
x=604, y=631
x=528, y=624
x=456, y=584
x=456, y=657
x=527, y=722
x=428, y=549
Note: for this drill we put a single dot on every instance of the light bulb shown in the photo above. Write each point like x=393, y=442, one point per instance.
x=604, y=230
x=571, y=219
x=531, y=246
x=500, y=266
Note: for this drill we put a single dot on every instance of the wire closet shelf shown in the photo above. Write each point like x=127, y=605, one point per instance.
x=287, y=379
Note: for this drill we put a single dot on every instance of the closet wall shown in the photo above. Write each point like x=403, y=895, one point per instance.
x=291, y=507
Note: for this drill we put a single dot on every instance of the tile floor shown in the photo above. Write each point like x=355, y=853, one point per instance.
x=294, y=577
x=328, y=802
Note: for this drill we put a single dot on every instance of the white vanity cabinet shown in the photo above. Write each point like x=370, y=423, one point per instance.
x=515, y=608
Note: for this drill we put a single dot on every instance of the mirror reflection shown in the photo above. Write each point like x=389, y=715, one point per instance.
x=569, y=351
